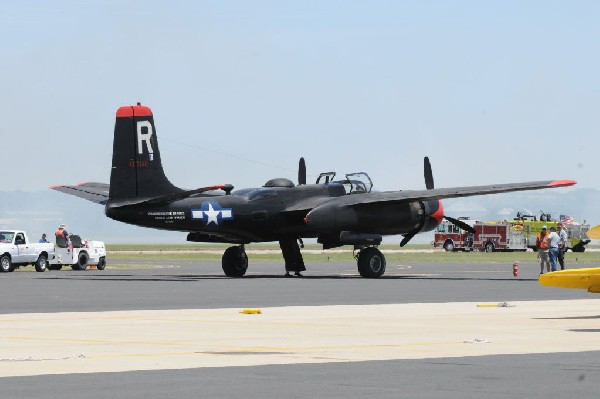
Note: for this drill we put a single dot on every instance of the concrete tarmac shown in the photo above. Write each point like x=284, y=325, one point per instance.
x=177, y=331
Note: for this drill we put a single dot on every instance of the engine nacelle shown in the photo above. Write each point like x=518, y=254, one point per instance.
x=379, y=218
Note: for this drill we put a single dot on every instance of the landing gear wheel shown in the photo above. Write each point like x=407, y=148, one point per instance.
x=489, y=247
x=5, y=264
x=371, y=263
x=101, y=264
x=41, y=264
x=449, y=246
x=82, y=262
x=234, y=262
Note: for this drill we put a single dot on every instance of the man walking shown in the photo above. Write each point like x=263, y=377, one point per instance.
x=541, y=244
x=553, y=241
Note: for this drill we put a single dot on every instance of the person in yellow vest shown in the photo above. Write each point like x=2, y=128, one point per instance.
x=541, y=243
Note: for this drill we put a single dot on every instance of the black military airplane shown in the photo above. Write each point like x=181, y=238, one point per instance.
x=336, y=212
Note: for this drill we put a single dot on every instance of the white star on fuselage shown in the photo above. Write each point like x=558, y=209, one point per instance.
x=212, y=215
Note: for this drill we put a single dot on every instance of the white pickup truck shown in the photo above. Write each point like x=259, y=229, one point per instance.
x=17, y=250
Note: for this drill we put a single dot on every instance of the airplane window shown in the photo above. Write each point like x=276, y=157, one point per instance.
x=261, y=193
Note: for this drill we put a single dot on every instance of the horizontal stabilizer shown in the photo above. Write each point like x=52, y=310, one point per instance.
x=95, y=192
x=585, y=279
x=165, y=199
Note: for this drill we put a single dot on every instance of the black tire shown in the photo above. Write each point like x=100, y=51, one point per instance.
x=101, y=264
x=41, y=264
x=371, y=263
x=449, y=246
x=6, y=264
x=234, y=262
x=82, y=261
x=489, y=246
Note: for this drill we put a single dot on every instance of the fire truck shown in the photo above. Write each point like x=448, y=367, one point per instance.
x=532, y=225
x=488, y=237
x=512, y=235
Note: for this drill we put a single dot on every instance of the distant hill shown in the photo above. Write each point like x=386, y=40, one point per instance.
x=42, y=211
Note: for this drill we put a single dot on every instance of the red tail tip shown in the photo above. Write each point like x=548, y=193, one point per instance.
x=133, y=110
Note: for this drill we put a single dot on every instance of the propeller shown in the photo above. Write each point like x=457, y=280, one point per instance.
x=460, y=224
x=429, y=185
x=406, y=239
x=301, y=172
x=428, y=174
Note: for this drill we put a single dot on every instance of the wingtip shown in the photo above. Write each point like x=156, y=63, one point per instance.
x=562, y=183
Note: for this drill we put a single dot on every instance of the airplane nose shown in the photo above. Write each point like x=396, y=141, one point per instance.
x=434, y=213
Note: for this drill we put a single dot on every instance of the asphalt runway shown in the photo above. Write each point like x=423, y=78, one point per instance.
x=416, y=332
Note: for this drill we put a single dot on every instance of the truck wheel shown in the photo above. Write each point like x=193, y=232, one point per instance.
x=5, y=264
x=449, y=246
x=101, y=264
x=82, y=261
x=41, y=264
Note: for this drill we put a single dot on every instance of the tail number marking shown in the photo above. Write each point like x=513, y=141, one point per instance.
x=144, y=136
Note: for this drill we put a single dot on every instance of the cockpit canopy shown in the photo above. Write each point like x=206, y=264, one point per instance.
x=354, y=183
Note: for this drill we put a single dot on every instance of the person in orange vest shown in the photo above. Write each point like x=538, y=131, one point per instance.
x=541, y=243
x=61, y=232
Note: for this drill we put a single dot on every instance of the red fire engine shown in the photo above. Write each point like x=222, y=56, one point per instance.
x=489, y=236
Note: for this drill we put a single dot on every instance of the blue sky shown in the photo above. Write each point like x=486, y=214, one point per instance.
x=491, y=91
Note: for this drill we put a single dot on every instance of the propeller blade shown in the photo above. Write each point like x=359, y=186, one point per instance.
x=301, y=172
x=406, y=239
x=428, y=175
x=460, y=224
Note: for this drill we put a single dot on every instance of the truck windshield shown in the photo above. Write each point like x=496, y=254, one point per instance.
x=6, y=236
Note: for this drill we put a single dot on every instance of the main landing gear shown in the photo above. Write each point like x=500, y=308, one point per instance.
x=371, y=262
x=235, y=261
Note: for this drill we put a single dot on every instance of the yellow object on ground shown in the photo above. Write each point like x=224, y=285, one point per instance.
x=586, y=279
x=594, y=232
x=495, y=305
x=251, y=311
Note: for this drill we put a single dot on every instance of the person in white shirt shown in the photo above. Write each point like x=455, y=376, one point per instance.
x=562, y=245
x=553, y=241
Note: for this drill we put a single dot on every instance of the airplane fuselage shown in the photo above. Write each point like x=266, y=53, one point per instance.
x=263, y=214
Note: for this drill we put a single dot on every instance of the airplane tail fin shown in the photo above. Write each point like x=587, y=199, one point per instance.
x=137, y=170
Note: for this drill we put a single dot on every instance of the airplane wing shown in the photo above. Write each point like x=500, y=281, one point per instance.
x=587, y=279
x=356, y=200
x=441, y=193
x=95, y=192
x=594, y=232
